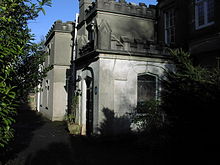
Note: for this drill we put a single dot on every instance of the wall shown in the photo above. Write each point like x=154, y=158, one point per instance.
x=115, y=78
x=113, y=28
x=54, y=94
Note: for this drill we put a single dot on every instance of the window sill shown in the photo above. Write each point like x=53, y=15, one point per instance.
x=204, y=26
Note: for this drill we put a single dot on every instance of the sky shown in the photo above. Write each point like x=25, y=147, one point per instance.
x=64, y=10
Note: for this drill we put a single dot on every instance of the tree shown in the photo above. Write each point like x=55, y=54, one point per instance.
x=29, y=70
x=17, y=54
x=191, y=95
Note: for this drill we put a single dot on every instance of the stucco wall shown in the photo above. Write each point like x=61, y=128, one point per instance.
x=63, y=48
x=115, y=78
x=54, y=97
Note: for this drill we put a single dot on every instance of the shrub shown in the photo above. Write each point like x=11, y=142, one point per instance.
x=148, y=116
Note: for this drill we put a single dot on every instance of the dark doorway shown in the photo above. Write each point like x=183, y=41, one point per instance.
x=89, y=106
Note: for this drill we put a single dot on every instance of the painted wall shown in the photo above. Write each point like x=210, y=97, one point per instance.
x=53, y=98
x=115, y=78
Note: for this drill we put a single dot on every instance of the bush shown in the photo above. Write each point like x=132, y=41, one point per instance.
x=191, y=94
x=148, y=116
x=15, y=49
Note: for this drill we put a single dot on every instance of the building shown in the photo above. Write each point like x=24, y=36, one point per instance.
x=117, y=57
x=53, y=98
x=118, y=64
x=193, y=25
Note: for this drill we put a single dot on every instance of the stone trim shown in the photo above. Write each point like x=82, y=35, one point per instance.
x=122, y=7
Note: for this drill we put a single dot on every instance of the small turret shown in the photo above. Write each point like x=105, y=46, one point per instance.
x=83, y=5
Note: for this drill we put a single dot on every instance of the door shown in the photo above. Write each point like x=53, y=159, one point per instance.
x=89, y=106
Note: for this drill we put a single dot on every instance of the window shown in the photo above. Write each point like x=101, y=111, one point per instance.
x=41, y=95
x=204, y=13
x=169, y=25
x=146, y=89
x=47, y=87
x=91, y=35
x=218, y=62
x=48, y=53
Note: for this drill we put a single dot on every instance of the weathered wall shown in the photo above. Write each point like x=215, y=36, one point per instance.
x=63, y=48
x=117, y=29
x=54, y=94
x=115, y=78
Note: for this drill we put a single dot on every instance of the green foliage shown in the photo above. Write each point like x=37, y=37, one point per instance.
x=7, y=111
x=28, y=74
x=149, y=116
x=70, y=118
x=74, y=105
x=17, y=56
x=191, y=93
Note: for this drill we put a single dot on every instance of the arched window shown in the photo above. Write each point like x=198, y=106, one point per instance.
x=146, y=89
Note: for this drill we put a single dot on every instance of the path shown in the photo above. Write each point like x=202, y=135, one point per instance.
x=42, y=142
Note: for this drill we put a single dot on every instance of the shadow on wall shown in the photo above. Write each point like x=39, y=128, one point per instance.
x=113, y=125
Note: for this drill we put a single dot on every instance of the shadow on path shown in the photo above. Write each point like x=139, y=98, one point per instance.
x=37, y=140
x=55, y=154
x=42, y=142
x=27, y=122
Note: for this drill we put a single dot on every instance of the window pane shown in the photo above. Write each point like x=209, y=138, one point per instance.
x=146, y=88
x=201, y=15
x=169, y=26
x=210, y=8
x=172, y=35
x=167, y=20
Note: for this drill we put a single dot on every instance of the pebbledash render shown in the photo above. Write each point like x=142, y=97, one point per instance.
x=115, y=62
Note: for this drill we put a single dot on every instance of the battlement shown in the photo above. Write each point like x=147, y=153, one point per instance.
x=122, y=7
x=60, y=26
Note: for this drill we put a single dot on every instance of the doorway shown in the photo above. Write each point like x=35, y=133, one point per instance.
x=89, y=106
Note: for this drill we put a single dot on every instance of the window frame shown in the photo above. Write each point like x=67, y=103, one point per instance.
x=156, y=81
x=157, y=90
x=205, y=10
x=168, y=36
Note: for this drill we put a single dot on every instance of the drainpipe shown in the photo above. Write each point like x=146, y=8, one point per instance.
x=72, y=78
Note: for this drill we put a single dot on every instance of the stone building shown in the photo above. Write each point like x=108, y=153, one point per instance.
x=52, y=100
x=118, y=64
x=116, y=57
x=193, y=25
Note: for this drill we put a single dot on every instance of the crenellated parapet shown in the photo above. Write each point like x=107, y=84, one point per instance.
x=122, y=7
x=60, y=26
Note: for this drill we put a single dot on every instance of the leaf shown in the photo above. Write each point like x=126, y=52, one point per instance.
x=42, y=9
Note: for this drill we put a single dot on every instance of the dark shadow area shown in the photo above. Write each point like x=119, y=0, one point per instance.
x=118, y=145
x=124, y=149
x=194, y=140
x=54, y=154
x=158, y=147
x=27, y=121
x=191, y=108
x=113, y=125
